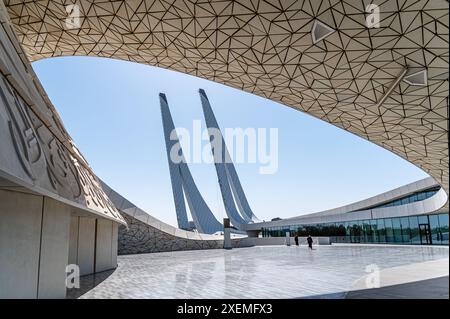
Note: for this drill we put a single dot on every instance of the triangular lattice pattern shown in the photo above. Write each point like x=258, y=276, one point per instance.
x=265, y=47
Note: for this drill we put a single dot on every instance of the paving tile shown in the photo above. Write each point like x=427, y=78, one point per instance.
x=255, y=272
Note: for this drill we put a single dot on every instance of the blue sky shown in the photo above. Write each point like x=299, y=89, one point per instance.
x=111, y=109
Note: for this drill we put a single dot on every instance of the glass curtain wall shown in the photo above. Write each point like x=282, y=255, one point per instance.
x=396, y=230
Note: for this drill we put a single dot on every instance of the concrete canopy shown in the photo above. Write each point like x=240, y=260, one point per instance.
x=357, y=78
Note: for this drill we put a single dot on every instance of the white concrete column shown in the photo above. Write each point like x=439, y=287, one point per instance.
x=73, y=239
x=20, y=232
x=93, y=244
x=115, y=244
x=40, y=236
x=54, y=249
x=105, y=259
x=86, y=245
x=287, y=240
x=34, y=246
x=227, y=238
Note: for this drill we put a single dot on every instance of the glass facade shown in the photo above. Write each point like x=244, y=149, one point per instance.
x=415, y=197
x=423, y=229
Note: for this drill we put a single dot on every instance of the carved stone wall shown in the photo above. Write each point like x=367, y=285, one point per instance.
x=143, y=238
x=36, y=152
x=146, y=234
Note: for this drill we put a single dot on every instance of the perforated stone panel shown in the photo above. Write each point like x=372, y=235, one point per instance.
x=265, y=47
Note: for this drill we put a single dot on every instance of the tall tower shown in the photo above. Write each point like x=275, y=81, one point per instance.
x=234, y=199
x=183, y=185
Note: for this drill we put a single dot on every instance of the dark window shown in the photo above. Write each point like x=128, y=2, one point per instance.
x=414, y=227
x=397, y=230
x=409, y=199
x=374, y=230
x=367, y=233
x=381, y=230
x=389, y=230
x=423, y=219
x=443, y=222
x=435, y=229
x=406, y=232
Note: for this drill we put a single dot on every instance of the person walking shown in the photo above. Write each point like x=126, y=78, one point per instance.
x=296, y=239
x=310, y=241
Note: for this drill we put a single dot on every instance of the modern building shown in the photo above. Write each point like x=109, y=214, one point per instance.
x=411, y=214
x=385, y=82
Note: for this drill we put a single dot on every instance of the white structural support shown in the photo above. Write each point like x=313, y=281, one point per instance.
x=233, y=196
x=183, y=185
x=40, y=237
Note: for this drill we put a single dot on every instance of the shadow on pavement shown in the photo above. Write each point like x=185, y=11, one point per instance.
x=87, y=283
x=436, y=288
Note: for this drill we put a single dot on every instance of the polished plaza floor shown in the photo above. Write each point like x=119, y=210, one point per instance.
x=256, y=272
